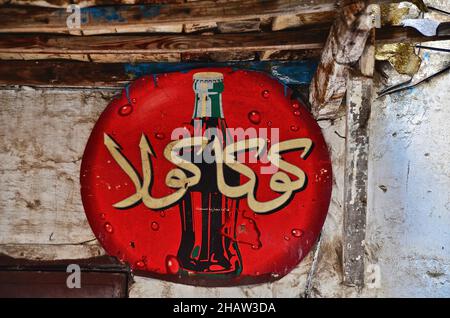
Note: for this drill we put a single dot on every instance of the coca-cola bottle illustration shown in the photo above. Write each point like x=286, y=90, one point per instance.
x=208, y=218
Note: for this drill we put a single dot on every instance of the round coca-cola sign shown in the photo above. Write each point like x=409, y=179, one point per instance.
x=210, y=177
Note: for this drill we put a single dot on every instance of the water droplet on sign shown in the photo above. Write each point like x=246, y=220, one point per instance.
x=160, y=136
x=172, y=264
x=287, y=238
x=265, y=93
x=155, y=226
x=108, y=227
x=294, y=128
x=162, y=214
x=254, y=117
x=269, y=124
x=295, y=105
x=125, y=110
x=297, y=233
x=133, y=100
x=296, y=113
x=102, y=216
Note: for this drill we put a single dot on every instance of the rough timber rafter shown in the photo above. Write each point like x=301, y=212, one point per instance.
x=51, y=73
x=160, y=17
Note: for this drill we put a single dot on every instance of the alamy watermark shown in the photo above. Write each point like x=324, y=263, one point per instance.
x=74, y=278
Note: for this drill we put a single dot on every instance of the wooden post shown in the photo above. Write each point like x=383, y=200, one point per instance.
x=359, y=96
x=343, y=48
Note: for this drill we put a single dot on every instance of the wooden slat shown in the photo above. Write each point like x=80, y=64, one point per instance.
x=53, y=251
x=283, y=22
x=69, y=74
x=199, y=27
x=51, y=284
x=145, y=18
x=82, y=3
x=38, y=220
x=171, y=48
x=289, y=55
x=219, y=56
x=344, y=46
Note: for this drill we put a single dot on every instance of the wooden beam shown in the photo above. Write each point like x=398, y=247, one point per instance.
x=162, y=17
x=44, y=46
x=172, y=48
x=344, y=46
x=358, y=108
x=397, y=34
x=219, y=56
x=290, y=21
x=115, y=75
x=62, y=74
x=82, y=3
x=118, y=19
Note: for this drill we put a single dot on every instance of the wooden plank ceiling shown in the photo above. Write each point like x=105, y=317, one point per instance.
x=114, y=31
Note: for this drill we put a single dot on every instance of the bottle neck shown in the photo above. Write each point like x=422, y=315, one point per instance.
x=208, y=105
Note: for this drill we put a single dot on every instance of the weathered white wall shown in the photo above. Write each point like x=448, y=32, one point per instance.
x=409, y=222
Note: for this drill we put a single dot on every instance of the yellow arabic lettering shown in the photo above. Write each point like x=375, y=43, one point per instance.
x=280, y=181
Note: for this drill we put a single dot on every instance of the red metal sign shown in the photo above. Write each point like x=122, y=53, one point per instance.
x=210, y=177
